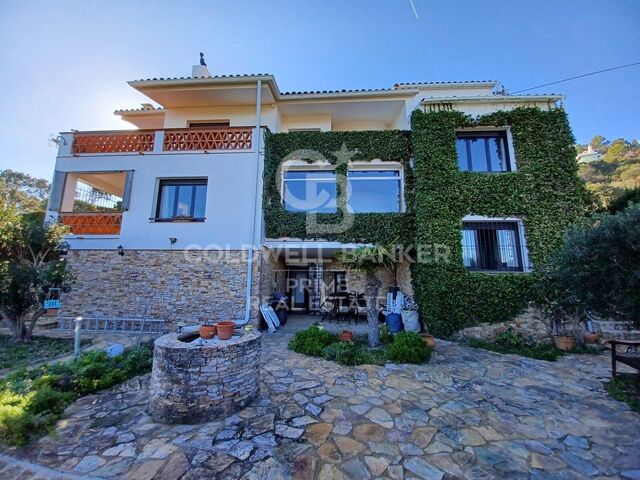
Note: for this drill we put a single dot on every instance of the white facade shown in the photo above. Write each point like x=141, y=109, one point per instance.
x=234, y=176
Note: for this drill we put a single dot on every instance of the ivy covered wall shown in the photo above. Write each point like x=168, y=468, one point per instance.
x=386, y=145
x=545, y=192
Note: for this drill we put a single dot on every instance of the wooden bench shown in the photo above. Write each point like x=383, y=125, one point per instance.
x=630, y=358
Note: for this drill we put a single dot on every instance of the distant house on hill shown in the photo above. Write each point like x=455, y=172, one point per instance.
x=589, y=156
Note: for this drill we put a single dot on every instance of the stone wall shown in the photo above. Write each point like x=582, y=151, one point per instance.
x=171, y=285
x=193, y=383
x=531, y=324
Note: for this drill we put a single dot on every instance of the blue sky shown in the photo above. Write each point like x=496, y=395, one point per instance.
x=64, y=64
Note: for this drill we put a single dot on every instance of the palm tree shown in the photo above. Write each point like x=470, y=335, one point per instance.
x=370, y=260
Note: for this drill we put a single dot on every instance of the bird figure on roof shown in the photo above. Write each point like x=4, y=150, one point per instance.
x=202, y=62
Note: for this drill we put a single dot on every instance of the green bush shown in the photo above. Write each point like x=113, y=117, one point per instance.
x=408, y=347
x=384, y=334
x=354, y=353
x=32, y=400
x=312, y=341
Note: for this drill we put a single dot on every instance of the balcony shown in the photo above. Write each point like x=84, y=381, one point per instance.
x=166, y=140
x=92, y=223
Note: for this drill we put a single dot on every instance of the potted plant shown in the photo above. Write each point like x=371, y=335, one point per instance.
x=225, y=329
x=207, y=330
x=410, y=316
x=346, y=336
x=429, y=339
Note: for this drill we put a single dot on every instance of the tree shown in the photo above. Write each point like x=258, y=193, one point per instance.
x=30, y=264
x=627, y=197
x=598, y=268
x=26, y=193
x=370, y=260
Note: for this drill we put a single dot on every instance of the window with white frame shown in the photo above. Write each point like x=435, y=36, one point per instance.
x=493, y=246
x=309, y=191
x=483, y=151
x=374, y=191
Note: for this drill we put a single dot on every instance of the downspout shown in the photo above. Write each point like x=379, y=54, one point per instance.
x=258, y=196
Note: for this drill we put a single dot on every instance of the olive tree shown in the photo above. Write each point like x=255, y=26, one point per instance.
x=370, y=260
x=30, y=264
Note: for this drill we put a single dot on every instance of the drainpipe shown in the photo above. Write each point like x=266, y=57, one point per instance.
x=257, y=202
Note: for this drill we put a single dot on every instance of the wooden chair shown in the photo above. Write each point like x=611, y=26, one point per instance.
x=630, y=358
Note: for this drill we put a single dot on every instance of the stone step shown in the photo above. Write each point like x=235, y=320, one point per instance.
x=47, y=323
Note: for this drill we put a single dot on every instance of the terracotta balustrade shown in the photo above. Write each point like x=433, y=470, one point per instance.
x=92, y=223
x=113, y=142
x=227, y=138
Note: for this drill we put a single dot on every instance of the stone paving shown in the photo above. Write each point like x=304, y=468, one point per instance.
x=466, y=414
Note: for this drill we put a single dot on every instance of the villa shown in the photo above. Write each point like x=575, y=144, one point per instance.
x=230, y=189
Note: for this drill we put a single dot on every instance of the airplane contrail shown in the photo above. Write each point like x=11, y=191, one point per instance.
x=413, y=7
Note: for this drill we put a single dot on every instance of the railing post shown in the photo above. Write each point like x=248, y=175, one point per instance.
x=158, y=142
x=76, y=346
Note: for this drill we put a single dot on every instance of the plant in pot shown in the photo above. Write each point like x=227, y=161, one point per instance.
x=410, y=316
x=429, y=339
x=346, y=336
x=207, y=330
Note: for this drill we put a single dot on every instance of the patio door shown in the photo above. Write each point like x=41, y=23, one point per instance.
x=298, y=284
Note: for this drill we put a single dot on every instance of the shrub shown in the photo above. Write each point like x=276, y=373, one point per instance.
x=384, y=332
x=510, y=338
x=32, y=400
x=312, y=341
x=354, y=353
x=408, y=347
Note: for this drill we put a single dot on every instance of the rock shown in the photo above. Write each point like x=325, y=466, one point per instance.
x=266, y=440
x=175, y=467
x=328, y=452
x=302, y=421
x=377, y=465
x=317, y=433
x=369, y=432
x=289, y=432
x=422, y=436
x=469, y=436
x=423, y=469
x=89, y=463
x=313, y=409
x=322, y=399
x=146, y=470
x=219, y=461
x=396, y=472
x=304, y=467
x=355, y=470
x=408, y=449
x=268, y=469
x=342, y=428
x=385, y=448
x=348, y=446
x=241, y=450
x=226, y=434
x=576, y=442
x=125, y=437
x=360, y=409
x=304, y=385
x=122, y=450
x=330, y=472
x=380, y=416
x=546, y=462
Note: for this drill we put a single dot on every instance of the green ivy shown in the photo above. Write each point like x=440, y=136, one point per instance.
x=545, y=192
x=386, y=145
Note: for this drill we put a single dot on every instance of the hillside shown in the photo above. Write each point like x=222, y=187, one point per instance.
x=617, y=171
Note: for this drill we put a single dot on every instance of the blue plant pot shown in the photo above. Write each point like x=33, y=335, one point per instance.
x=394, y=320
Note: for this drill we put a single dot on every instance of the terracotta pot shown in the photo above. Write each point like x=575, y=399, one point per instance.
x=564, y=342
x=346, y=336
x=591, y=337
x=430, y=340
x=225, y=330
x=207, y=331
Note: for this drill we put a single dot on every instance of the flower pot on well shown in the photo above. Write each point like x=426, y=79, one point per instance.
x=430, y=340
x=346, y=336
x=225, y=329
x=564, y=342
x=591, y=337
x=207, y=331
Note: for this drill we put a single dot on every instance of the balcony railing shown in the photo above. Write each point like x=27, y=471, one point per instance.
x=207, y=139
x=92, y=223
x=113, y=142
x=173, y=140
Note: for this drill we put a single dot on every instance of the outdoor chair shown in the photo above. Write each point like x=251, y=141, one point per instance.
x=630, y=357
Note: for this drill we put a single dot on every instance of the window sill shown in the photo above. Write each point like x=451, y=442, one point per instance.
x=177, y=220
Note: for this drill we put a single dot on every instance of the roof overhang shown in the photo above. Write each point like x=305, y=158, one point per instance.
x=208, y=91
x=523, y=99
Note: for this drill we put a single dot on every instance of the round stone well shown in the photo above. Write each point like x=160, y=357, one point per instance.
x=195, y=380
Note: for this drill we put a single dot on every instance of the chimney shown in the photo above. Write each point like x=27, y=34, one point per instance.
x=200, y=71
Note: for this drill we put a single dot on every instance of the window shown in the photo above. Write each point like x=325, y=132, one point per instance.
x=310, y=191
x=373, y=191
x=182, y=199
x=493, y=246
x=483, y=151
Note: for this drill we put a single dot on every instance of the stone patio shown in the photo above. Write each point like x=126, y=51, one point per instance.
x=466, y=414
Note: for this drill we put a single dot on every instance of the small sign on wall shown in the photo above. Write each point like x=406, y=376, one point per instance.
x=52, y=303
